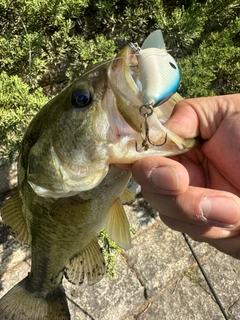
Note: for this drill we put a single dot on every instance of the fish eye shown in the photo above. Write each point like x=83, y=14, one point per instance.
x=81, y=98
x=172, y=65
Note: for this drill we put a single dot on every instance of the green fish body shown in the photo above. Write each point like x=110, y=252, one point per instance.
x=69, y=188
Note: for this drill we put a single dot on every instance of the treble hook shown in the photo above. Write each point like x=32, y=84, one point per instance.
x=146, y=139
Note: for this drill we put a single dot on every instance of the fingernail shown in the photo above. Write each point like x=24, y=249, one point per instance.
x=220, y=211
x=165, y=178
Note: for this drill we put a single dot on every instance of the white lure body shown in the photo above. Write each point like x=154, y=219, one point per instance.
x=159, y=73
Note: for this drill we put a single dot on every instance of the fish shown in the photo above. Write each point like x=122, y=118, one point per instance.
x=70, y=186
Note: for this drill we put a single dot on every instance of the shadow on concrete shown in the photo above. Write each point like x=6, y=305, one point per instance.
x=8, y=175
x=3, y=239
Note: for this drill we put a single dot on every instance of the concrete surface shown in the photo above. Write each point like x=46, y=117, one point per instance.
x=156, y=279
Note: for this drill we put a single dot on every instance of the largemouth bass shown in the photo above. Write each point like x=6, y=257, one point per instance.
x=69, y=188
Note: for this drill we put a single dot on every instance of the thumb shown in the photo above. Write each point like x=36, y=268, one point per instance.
x=160, y=175
x=201, y=116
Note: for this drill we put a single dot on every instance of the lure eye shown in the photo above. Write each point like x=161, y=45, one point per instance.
x=172, y=65
x=81, y=98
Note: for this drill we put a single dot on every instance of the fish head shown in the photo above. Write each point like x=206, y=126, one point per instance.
x=93, y=123
x=68, y=155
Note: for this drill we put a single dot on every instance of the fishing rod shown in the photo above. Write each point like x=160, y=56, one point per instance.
x=206, y=277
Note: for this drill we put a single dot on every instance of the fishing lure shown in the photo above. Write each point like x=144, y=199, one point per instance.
x=159, y=77
x=159, y=73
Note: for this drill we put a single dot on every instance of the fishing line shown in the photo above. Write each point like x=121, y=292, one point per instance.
x=206, y=277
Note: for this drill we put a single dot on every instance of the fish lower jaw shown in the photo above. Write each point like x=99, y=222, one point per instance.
x=163, y=145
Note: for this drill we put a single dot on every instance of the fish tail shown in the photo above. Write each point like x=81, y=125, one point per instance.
x=20, y=303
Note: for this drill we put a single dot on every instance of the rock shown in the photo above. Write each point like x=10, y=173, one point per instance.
x=106, y=300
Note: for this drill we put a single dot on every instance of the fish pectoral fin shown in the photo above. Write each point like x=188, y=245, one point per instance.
x=127, y=197
x=14, y=220
x=87, y=263
x=117, y=226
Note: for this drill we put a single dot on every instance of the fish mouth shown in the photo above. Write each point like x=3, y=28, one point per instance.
x=128, y=125
x=134, y=134
x=123, y=75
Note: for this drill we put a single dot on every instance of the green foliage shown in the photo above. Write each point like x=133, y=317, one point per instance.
x=193, y=274
x=110, y=249
x=46, y=43
x=133, y=230
x=17, y=107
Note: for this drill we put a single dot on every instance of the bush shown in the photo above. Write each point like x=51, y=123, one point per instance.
x=45, y=44
x=17, y=107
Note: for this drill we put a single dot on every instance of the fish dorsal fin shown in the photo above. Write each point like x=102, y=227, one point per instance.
x=154, y=40
x=87, y=263
x=117, y=226
x=127, y=196
x=13, y=218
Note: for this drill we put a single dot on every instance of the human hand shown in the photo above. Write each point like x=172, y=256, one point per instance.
x=198, y=192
